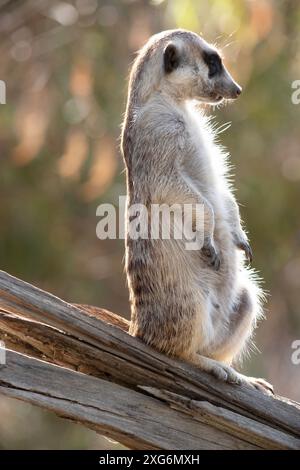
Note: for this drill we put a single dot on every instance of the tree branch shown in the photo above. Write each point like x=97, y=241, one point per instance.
x=80, y=362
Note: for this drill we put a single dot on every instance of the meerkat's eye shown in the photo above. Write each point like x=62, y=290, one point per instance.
x=214, y=63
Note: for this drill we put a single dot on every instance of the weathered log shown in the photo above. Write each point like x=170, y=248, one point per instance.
x=80, y=362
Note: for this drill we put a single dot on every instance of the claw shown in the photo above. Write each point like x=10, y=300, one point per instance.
x=217, y=263
x=212, y=256
x=245, y=246
x=259, y=384
x=264, y=386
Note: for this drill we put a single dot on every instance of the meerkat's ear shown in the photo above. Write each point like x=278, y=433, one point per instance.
x=171, y=58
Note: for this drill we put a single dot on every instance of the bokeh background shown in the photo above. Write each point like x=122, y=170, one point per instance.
x=65, y=64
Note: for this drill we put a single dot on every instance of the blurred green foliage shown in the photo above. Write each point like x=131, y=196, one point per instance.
x=65, y=65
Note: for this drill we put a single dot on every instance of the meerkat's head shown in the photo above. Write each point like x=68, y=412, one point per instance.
x=184, y=65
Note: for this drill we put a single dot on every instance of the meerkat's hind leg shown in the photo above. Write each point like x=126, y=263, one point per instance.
x=219, y=370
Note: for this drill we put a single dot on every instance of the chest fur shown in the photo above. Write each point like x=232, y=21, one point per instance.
x=201, y=158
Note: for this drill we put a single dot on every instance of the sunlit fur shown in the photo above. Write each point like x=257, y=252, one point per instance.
x=180, y=304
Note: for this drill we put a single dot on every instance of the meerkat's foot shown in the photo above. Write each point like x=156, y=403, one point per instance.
x=258, y=384
x=226, y=373
x=210, y=255
x=219, y=370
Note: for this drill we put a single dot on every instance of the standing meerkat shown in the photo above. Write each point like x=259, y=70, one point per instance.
x=199, y=306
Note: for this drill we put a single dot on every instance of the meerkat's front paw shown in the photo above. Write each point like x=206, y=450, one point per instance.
x=210, y=255
x=245, y=246
x=242, y=243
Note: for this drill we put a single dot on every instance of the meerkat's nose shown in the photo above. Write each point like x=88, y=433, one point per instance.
x=237, y=91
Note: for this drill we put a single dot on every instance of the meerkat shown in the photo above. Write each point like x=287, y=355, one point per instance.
x=198, y=306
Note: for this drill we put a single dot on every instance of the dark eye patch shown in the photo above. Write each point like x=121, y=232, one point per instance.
x=213, y=62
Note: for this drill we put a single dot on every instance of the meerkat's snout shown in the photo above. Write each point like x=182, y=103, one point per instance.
x=232, y=89
x=227, y=87
x=220, y=82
